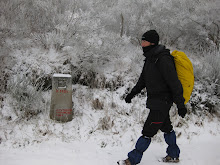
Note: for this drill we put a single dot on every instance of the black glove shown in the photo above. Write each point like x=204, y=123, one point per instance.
x=182, y=111
x=128, y=98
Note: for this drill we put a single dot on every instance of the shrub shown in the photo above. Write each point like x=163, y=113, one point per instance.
x=27, y=100
x=96, y=104
x=106, y=123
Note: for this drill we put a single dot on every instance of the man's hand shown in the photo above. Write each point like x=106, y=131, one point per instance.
x=128, y=98
x=182, y=111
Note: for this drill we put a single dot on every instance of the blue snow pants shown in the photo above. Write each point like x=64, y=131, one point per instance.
x=156, y=120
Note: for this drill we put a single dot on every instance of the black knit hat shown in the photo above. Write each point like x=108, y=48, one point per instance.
x=151, y=36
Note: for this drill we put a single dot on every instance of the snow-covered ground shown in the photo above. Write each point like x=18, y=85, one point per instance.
x=103, y=136
x=200, y=150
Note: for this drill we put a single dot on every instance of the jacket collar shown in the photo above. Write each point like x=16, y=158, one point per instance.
x=154, y=51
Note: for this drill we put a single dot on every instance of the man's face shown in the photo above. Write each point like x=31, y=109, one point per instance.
x=146, y=43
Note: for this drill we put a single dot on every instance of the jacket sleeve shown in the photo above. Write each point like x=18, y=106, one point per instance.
x=167, y=68
x=139, y=86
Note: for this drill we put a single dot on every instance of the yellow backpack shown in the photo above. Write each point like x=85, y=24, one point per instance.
x=185, y=74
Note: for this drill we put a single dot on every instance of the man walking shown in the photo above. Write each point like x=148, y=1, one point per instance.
x=160, y=78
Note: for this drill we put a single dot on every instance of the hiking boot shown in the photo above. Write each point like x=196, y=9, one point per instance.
x=170, y=159
x=124, y=162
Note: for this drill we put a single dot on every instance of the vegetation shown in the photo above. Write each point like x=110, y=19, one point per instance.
x=97, y=41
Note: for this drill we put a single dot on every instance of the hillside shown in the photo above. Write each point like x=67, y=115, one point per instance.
x=98, y=43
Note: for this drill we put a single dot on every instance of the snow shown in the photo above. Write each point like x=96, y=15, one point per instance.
x=61, y=75
x=104, y=128
x=201, y=150
x=99, y=135
x=87, y=139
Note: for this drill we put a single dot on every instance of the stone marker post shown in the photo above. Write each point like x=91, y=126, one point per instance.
x=61, y=98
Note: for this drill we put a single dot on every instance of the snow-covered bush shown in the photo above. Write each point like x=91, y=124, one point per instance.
x=102, y=49
x=202, y=99
x=96, y=104
x=184, y=24
x=27, y=100
x=208, y=71
x=103, y=59
x=206, y=91
x=105, y=123
x=3, y=78
x=212, y=61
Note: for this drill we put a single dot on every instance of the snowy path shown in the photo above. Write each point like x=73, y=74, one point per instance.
x=200, y=150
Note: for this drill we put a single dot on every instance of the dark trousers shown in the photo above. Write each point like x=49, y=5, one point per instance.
x=157, y=120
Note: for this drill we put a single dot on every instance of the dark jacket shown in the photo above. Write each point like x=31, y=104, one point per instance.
x=160, y=78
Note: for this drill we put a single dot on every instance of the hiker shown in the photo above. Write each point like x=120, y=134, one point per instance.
x=160, y=78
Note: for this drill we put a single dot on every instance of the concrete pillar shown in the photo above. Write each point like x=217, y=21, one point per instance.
x=61, y=98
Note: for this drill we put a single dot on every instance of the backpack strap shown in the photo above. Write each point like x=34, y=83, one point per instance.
x=158, y=56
